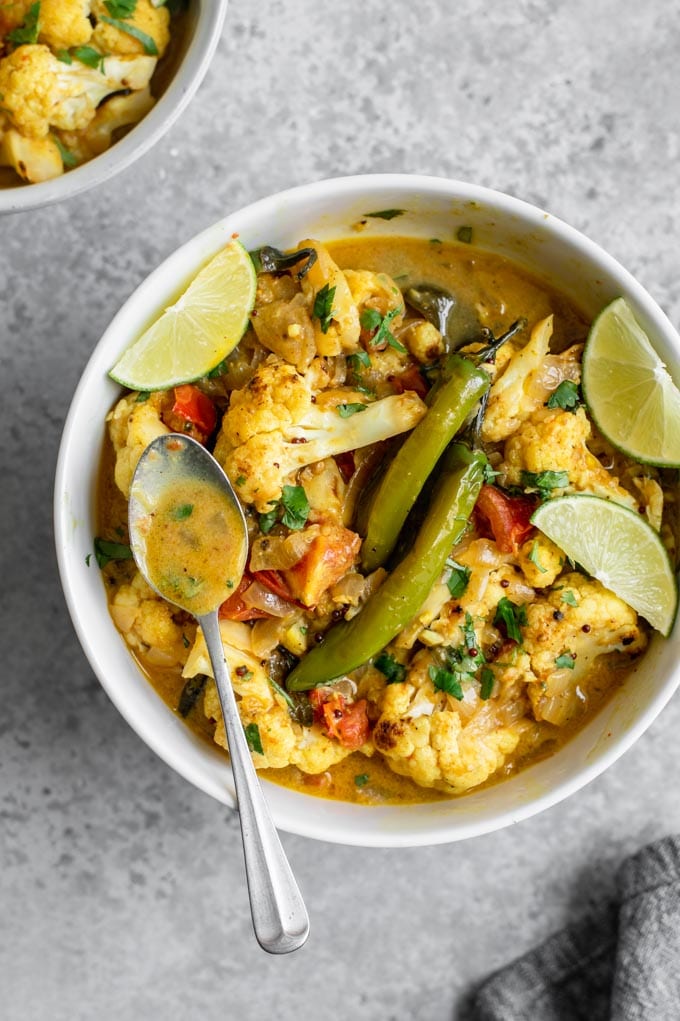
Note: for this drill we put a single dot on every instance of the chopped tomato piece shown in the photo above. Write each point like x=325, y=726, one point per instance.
x=329, y=556
x=346, y=722
x=234, y=607
x=506, y=518
x=196, y=408
x=273, y=580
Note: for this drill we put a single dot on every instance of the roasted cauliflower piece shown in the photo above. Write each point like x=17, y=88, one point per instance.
x=526, y=381
x=541, y=561
x=441, y=742
x=34, y=159
x=133, y=424
x=65, y=23
x=152, y=21
x=148, y=624
x=39, y=91
x=556, y=440
x=275, y=426
x=566, y=631
x=284, y=741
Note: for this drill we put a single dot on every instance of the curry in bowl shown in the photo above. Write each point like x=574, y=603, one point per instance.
x=393, y=416
x=75, y=75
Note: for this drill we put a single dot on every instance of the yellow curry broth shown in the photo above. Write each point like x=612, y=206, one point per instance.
x=499, y=293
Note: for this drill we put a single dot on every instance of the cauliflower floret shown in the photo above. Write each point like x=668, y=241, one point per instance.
x=424, y=341
x=40, y=91
x=154, y=22
x=34, y=159
x=557, y=441
x=65, y=23
x=133, y=424
x=442, y=743
x=338, y=333
x=274, y=427
x=148, y=625
x=541, y=561
x=527, y=379
x=565, y=633
x=113, y=115
x=284, y=741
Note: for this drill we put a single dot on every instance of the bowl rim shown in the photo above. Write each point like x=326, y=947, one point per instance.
x=145, y=134
x=314, y=824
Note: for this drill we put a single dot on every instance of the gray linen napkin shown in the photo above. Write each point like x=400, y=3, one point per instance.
x=621, y=963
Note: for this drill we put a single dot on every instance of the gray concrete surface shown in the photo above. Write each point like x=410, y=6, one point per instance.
x=121, y=887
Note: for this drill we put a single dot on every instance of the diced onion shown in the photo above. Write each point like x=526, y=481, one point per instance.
x=258, y=597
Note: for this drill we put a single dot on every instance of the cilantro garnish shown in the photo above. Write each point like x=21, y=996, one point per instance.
x=240, y=480
x=182, y=511
x=323, y=306
x=569, y=598
x=511, y=617
x=487, y=682
x=565, y=660
x=567, y=396
x=87, y=55
x=394, y=671
x=146, y=40
x=292, y=509
x=359, y=358
x=64, y=56
x=29, y=29
x=347, y=410
x=545, y=481
x=105, y=551
x=68, y=158
x=379, y=326
x=458, y=580
x=252, y=732
x=534, y=558
x=121, y=8
x=386, y=214
x=361, y=779
x=444, y=680
x=464, y=234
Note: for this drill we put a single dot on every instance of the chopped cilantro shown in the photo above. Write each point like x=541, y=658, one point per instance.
x=89, y=56
x=361, y=779
x=240, y=480
x=323, y=307
x=379, y=326
x=359, y=358
x=64, y=56
x=458, y=580
x=565, y=660
x=386, y=214
x=182, y=511
x=464, y=234
x=444, y=680
x=105, y=551
x=88, y=558
x=28, y=30
x=545, y=481
x=295, y=507
x=269, y=518
x=534, y=558
x=511, y=617
x=347, y=410
x=121, y=8
x=490, y=475
x=146, y=40
x=252, y=732
x=394, y=671
x=569, y=598
x=567, y=396
x=487, y=682
x=142, y=396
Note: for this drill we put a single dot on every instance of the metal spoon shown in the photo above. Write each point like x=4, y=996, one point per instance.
x=279, y=916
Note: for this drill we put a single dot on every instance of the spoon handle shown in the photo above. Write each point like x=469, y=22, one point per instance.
x=279, y=915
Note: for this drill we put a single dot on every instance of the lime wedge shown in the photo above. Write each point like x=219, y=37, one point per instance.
x=629, y=393
x=203, y=326
x=618, y=547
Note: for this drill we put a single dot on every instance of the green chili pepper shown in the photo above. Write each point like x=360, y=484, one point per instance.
x=397, y=601
x=417, y=456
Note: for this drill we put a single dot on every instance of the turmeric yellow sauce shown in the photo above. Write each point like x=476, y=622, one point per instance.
x=516, y=709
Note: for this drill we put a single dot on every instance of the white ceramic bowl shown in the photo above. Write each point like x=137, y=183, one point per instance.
x=202, y=30
x=436, y=207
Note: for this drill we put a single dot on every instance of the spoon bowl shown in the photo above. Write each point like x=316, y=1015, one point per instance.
x=189, y=539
